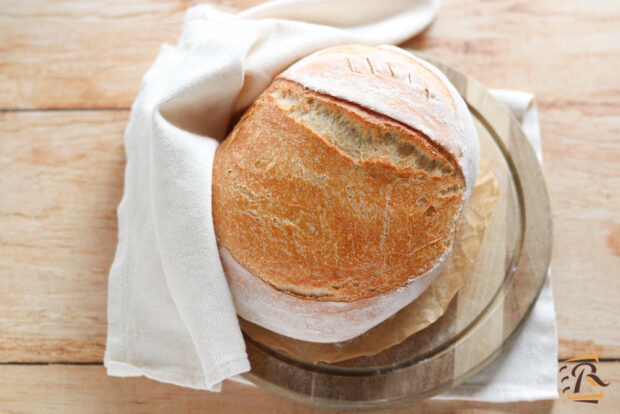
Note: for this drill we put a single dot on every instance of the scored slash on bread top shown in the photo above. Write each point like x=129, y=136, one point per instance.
x=391, y=82
x=324, y=196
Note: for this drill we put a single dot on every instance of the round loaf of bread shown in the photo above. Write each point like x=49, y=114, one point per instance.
x=337, y=195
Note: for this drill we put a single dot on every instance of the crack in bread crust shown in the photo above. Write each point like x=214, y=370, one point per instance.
x=323, y=200
x=341, y=124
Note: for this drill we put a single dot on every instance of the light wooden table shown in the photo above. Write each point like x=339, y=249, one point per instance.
x=69, y=71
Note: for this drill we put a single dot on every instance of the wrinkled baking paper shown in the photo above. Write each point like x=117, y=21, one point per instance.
x=421, y=312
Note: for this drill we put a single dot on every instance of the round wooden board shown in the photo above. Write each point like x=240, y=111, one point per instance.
x=497, y=296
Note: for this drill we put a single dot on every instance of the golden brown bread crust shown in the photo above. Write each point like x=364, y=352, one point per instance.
x=323, y=199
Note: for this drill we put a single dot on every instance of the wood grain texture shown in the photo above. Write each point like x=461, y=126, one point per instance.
x=64, y=54
x=61, y=178
x=68, y=54
x=86, y=389
x=564, y=51
x=61, y=175
x=582, y=169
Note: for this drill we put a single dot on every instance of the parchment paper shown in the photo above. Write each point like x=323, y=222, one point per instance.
x=420, y=313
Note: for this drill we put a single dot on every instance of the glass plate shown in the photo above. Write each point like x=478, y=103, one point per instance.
x=496, y=297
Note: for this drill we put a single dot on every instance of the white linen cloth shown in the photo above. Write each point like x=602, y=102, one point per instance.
x=170, y=312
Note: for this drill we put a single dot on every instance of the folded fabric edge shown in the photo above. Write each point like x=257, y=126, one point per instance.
x=508, y=395
x=208, y=11
x=232, y=368
x=228, y=369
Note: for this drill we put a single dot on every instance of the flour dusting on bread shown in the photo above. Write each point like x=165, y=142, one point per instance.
x=337, y=195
